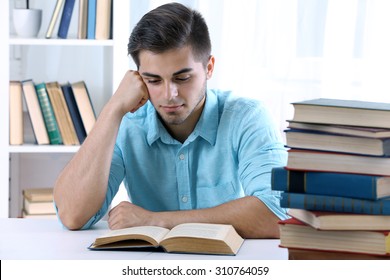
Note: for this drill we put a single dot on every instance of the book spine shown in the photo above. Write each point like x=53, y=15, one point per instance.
x=48, y=115
x=74, y=112
x=91, y=25
x=15, y=113
x=84, y=104
x=65, y=19
x=35, y=112
x=335, y=204
x=325, y=183
x=103, y=19
x=54, y=18
x=83, y=17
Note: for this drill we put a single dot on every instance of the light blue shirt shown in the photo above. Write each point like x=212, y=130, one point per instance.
x=229, y=155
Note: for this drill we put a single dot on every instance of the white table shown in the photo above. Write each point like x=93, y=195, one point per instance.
x=28, y=239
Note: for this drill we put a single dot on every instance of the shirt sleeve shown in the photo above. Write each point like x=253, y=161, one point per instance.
x=260, y=148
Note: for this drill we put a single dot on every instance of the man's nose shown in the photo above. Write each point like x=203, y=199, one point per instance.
x=170, y=91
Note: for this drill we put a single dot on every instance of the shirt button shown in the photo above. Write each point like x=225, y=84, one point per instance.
x=184, y=199
x=181, y=157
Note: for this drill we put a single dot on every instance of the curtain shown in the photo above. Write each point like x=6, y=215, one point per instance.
x=281, y=51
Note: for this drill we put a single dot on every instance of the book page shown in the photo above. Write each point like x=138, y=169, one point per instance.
x=155, y=233
x=200, y=230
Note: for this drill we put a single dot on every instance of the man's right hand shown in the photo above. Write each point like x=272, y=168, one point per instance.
x=131, y=94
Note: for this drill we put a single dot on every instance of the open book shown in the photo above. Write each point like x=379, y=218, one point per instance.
x=185, y=238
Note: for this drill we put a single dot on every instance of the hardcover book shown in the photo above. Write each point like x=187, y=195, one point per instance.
x=65, y=19
x=91, y=21
x=361, y=131
x=330, y=183
x=48, y=115
x=54, y=18
x=35, y=112
x=15, y=113
x=103, y=19
x=335, y=204
x=295, y=234
x=84, y=105
x=185, y=238
x=313, y=140
x=82, y=20
x=61, y=112
x=343, y=112
x=309, y=254
x=337, y=162
x=74, y=112
x=340, y=221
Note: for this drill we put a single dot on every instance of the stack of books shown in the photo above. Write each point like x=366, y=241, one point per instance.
x=58, y=114
x=38, y=203
x=336, y=182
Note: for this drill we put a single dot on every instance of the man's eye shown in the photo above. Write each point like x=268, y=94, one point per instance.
x=182, y=79
x=153, y=81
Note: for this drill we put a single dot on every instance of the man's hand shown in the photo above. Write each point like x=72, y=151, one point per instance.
x=126, y=214
x=131, y=94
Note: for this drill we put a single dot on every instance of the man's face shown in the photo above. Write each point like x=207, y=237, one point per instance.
x=176, y=84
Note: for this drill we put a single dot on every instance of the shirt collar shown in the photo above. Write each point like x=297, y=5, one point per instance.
x=206, y=127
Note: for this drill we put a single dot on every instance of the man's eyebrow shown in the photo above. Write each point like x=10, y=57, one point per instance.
x=184, y=70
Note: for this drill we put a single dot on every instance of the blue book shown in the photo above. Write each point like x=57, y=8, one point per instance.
x=329, y=183
x=91, y=22
x=65, y=19
x=335, y=204
x=74, y=112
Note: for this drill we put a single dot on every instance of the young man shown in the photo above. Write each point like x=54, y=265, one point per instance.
x=185, y=153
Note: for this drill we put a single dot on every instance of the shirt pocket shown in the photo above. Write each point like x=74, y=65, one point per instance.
x=212, y=196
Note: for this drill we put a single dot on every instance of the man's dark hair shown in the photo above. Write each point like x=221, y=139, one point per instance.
x=168, y=27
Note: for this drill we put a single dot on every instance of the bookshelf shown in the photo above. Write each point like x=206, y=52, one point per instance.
x=100, y=63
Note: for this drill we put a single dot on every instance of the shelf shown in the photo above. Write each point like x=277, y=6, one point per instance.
x=58, y=42
x=42, y=149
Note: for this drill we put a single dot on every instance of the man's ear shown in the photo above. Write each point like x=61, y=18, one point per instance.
x=210, y=67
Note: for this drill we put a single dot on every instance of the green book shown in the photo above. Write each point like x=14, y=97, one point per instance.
x=48, y=115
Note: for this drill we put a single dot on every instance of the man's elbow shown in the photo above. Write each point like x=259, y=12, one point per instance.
x=71, y=222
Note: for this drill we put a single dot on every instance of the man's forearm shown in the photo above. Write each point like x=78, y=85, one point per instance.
x=81, y=187
x=249, y=216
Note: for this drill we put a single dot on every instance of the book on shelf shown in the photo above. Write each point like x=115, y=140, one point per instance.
x=38, y=201
x=62, y=114
x=54, y=18
x=15, y=113
x=343, y=112
x=370, y=132
x=48, y=114
x=34, y=110
x=84, y=104
x=337, y=162
x=38, y=216
x=185, y=238
x=313, y=140
x=330, y=183
x=295, y=234
x=91, y=21
x=340, y=221
x=66, y=17
x=38, y=194
x=74, y=112
x=103, y=19
x=38, y=207
x=82, y=20
x=308, y=254
x=340, y=204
